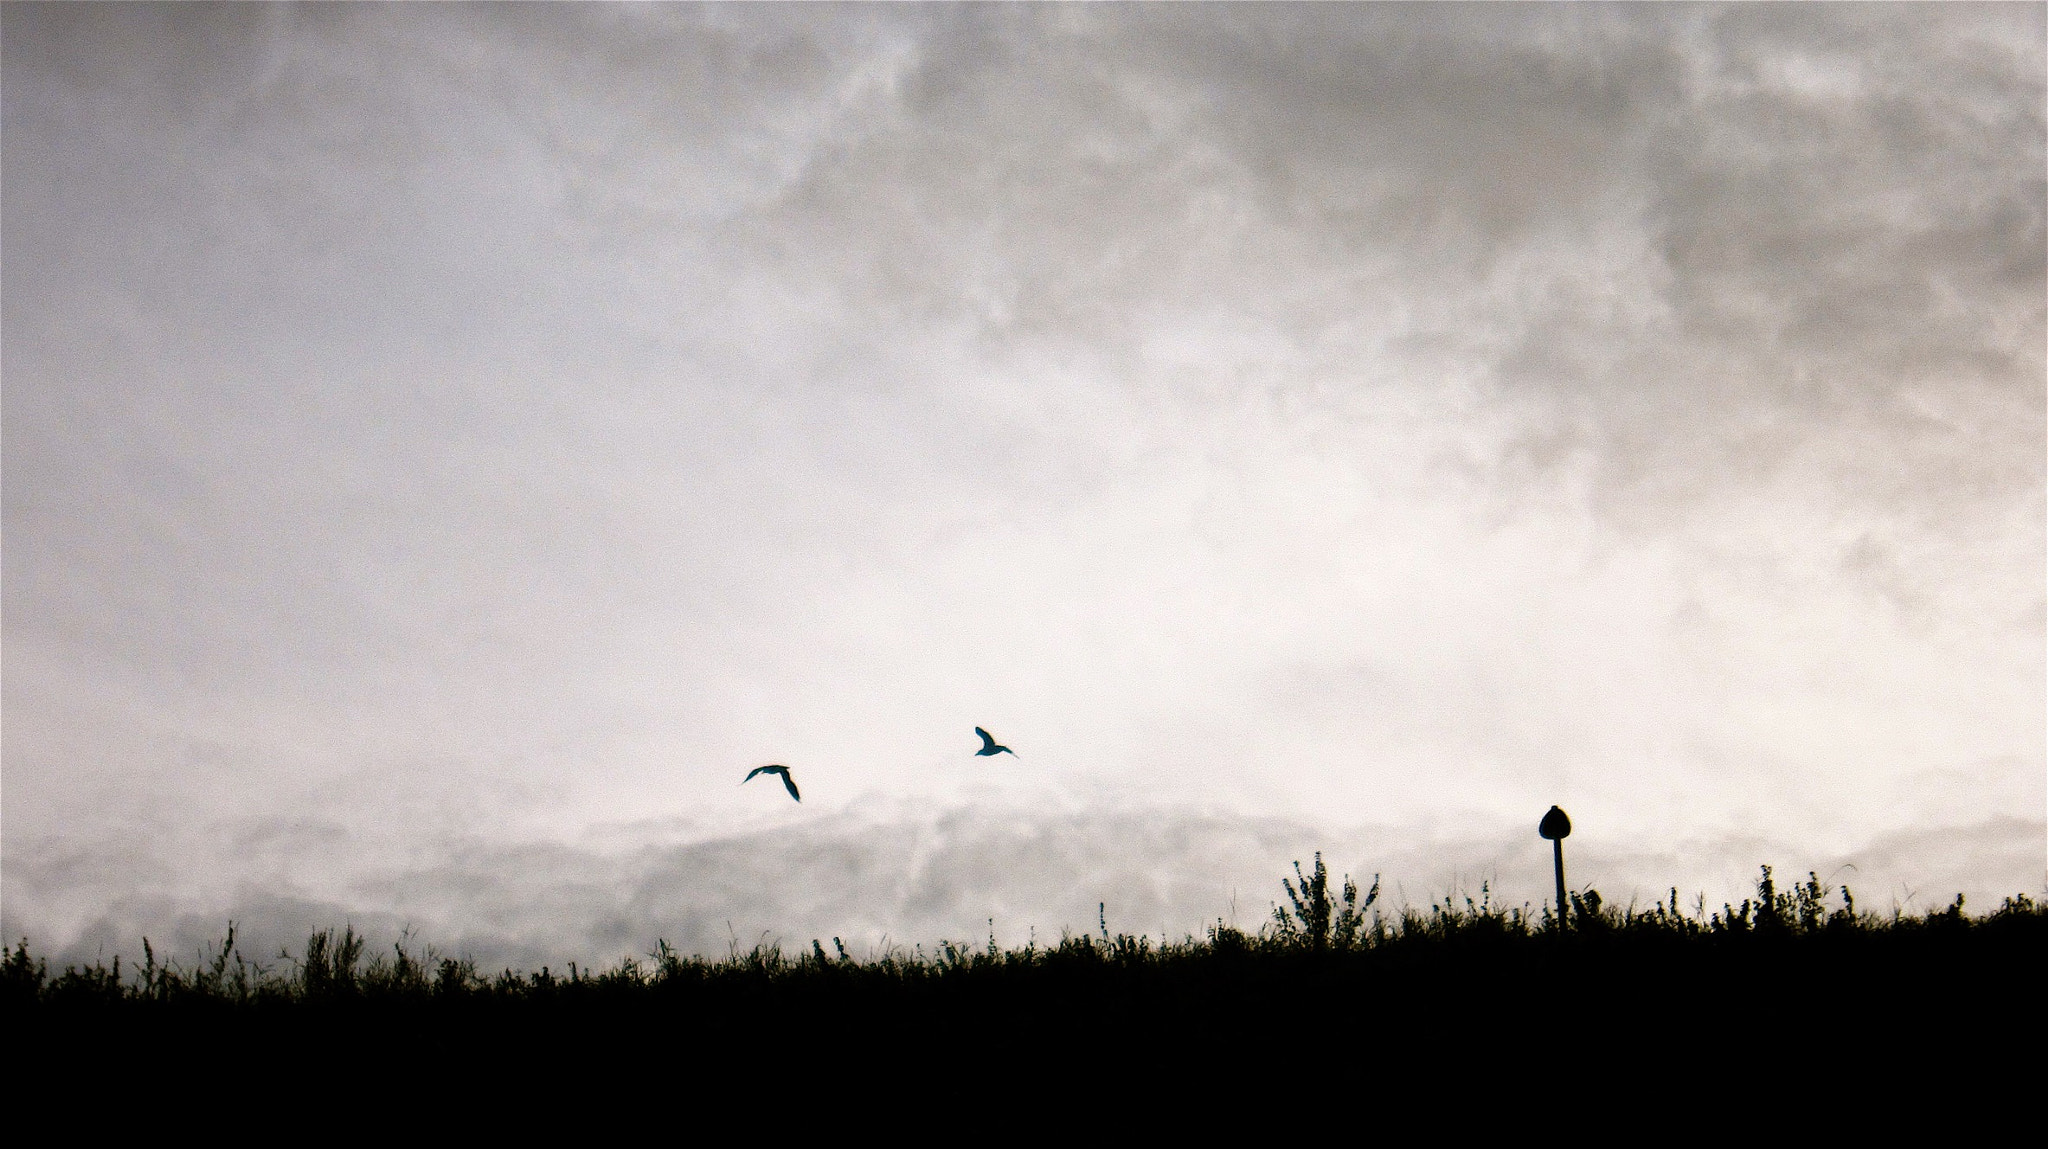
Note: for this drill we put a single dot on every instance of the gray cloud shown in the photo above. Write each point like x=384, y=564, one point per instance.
x=489, y=422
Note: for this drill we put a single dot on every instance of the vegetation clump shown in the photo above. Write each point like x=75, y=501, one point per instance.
x=1332, y=965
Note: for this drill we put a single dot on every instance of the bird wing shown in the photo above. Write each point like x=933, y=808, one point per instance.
x=987, y=743
x=791, y=783
x=782, y=770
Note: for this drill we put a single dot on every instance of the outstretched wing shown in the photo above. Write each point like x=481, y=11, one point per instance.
x=791, y=783
x=782, y=770
x=987, y=744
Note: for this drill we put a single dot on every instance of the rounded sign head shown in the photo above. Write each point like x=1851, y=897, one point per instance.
x=1555, y=824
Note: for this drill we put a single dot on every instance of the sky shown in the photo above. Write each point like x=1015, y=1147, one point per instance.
x=446, y=447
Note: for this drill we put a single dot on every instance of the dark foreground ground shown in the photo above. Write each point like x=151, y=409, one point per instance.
x=1784, y=1005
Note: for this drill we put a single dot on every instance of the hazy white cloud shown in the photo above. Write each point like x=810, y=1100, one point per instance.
x=479, y=424
x=880, y=877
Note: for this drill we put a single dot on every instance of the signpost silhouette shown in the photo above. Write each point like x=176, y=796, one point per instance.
x=1556, y=826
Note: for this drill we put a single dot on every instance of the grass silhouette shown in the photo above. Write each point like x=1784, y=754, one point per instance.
x=1794, y=973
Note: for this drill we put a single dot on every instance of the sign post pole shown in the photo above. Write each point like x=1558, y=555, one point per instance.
x=1556, y=827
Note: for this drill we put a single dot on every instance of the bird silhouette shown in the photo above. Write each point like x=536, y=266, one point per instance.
x=989, y=747
x=782, y=770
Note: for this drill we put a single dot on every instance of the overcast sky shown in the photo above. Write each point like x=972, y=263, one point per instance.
x=446, y=447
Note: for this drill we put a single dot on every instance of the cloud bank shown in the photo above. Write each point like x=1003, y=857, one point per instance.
x=882, y=879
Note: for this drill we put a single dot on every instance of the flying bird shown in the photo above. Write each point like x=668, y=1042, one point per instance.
x=782, y=770
x=989, y=747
